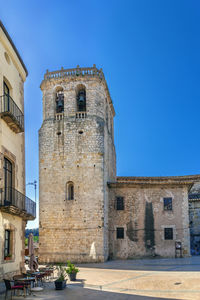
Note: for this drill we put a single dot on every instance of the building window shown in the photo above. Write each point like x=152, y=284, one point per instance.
x=120, y=232
x=167, y=203
x=168, y=233
x=7, y=244
x=8, y=174
x=60, y=102
x=70, y=191
x=6, y=92
x=119, y=203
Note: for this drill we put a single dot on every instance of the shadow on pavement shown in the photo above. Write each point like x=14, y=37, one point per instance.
x=190, y=264
x=73, y=292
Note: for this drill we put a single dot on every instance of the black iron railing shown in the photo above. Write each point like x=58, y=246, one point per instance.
x=11, y=197
x=30, y=207
x=8, y=105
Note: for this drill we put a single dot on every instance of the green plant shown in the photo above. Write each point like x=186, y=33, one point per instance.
x=61, y=272
x=71, y=268
x=8, y=257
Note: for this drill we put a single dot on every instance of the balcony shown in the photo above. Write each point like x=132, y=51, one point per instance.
x=11, y=114
x=15, y=203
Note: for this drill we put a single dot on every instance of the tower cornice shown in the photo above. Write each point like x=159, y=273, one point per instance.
x=76, y=73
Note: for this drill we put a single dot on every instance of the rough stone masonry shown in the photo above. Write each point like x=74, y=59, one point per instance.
x=87, y=213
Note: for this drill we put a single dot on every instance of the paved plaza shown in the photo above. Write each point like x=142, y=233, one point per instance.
x=131, y=279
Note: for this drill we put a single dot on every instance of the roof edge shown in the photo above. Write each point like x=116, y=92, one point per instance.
x=158, y=178
x=14, y=48
x=187, y=180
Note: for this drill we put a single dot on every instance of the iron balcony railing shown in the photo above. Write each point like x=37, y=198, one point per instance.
x=8, y=105
x=11, y=197
x=30, y=206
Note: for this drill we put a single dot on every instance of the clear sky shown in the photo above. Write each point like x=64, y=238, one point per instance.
x=150, y=55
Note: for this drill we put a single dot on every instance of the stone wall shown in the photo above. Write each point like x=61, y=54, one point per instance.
x=81, y=151
x=144, y=220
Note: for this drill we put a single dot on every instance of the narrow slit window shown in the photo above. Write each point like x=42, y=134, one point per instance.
x=70, y=191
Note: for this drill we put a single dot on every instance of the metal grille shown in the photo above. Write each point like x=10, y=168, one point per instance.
x=11, y=197
x=7, y=105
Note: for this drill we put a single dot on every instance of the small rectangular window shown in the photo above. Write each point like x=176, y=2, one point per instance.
x=168, y=233
x=120, y=233
x=119, y=203
x=7, y=244
x=167, y=203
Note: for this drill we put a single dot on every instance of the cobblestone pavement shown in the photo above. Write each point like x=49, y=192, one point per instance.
x=131, y=279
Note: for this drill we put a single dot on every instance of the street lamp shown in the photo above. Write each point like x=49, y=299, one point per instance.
x=35, y=186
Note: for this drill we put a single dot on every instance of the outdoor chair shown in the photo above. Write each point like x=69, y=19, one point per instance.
x=48, y=272
x=27, y=285
x=17, y=277
x=12, y=288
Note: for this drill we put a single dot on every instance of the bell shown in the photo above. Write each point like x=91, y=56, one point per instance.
x=60, y=100
x=60, y=103
x=81, y=98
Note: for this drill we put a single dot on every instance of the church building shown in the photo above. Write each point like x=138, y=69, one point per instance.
x=87, y=212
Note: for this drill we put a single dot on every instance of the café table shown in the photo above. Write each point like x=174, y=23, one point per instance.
x=38, y=276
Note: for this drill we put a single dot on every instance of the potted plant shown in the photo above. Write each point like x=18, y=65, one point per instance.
x=8, y=257
x=60, y=283
x=71, y=271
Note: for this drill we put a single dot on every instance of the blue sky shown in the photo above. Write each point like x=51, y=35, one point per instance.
x=149, y=52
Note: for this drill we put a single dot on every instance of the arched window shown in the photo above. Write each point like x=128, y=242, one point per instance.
x=81, y=98
x=70, y=190
x=59, y=102
x=59, y=97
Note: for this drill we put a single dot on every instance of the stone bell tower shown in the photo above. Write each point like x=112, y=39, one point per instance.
x=77, y=159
